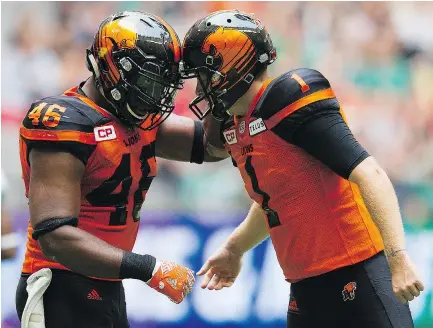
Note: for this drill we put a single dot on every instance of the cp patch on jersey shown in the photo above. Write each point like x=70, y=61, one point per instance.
x=230, y=136
x=257, y=126
x=103, y=133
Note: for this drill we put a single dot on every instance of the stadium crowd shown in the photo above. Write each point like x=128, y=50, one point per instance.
x=378, y=61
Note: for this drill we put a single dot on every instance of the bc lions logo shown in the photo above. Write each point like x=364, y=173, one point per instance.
x=349, y=291
x=230, y=47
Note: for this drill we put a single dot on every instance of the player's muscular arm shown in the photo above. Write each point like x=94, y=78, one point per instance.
x=381, y=201
x=183, y=139
x=55, y=193
x=222, y=268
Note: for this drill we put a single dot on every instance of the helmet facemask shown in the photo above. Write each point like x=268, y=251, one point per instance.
x=144, y=92
x=208, y=93
x=217, y=94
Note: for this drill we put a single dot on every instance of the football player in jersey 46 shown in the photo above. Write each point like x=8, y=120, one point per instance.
x=328, y=206
x=88, y=159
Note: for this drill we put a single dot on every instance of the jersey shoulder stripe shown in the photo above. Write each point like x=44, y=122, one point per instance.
x=62, y=135
x=292, y=91
x=298, y=104
x=61, y=118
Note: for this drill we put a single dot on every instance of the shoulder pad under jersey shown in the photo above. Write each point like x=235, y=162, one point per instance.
x=292, y=91
x=61, y=118
x=62, y=123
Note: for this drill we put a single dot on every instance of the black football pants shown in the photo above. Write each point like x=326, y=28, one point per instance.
x=75, y=301
x=357, y=296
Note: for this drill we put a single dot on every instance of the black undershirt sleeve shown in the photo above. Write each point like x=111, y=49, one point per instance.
x=325, y=136
x=197, y=151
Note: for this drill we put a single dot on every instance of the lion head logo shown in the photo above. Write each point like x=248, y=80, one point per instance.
x=349, y=291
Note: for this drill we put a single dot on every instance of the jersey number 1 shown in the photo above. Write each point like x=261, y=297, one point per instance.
x=273, y=218
x=304, y=86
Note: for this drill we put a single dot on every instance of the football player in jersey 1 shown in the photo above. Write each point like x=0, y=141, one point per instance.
x=88, y=159
x=328, y=206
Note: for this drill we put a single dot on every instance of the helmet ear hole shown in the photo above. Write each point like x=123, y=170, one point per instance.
x=229, y=20
x=208, y=24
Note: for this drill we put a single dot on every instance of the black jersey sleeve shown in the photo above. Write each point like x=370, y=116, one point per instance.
x=61, y=124
x=308, y=115
x=288, y=89
x=326, y=136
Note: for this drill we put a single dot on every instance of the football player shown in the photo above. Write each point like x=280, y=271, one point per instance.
x=88, y=159
x=328, y=206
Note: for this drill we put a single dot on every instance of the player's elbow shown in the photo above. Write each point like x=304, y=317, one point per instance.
x=53, y=243
x=368, y=170
x=47, y=244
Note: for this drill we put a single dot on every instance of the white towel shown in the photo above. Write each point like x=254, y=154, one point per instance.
x=37, y=284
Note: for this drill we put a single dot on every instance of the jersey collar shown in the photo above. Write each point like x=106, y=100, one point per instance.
x=258, y=96
x=74, y=92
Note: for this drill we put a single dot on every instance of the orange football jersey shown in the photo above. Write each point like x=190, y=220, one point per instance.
x=119, y=167
x=317, y=219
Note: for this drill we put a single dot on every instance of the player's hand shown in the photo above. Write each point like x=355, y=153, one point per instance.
x=221, y=269
x=405, y=282
x=172, y=280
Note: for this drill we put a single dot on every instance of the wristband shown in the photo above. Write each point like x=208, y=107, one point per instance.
x=197, y=151
x=136, y=266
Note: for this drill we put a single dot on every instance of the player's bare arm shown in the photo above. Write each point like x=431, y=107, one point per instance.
x=380, y=198
x=54, y=201
x=222, y=268
x=183, y=139
x=59, y=197
x=251, y=232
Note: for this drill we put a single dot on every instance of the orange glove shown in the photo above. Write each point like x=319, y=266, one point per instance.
x=172, y=280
